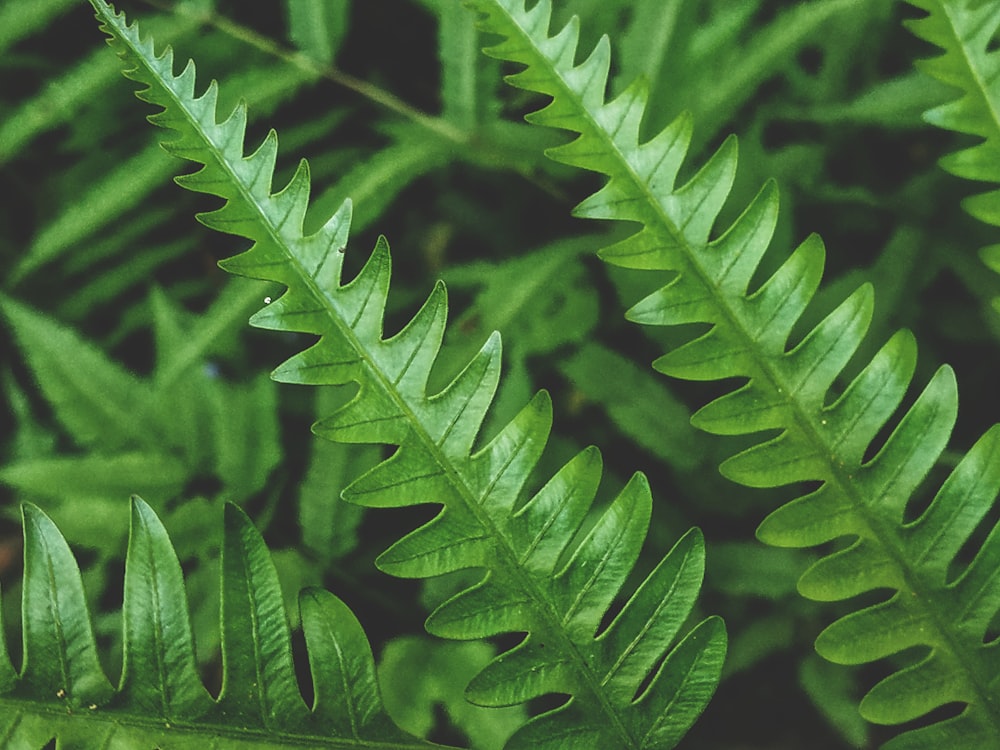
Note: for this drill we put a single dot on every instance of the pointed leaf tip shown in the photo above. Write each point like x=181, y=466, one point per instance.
x=259, y=683
x=347, y=701
x=159, y=673
x=60, y=653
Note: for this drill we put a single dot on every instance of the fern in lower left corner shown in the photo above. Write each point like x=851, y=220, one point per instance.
x=62, y=692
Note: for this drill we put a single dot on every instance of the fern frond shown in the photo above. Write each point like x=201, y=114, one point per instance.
x=823, y=434
x=62, y=693
x=964, y=29
x=630, y=684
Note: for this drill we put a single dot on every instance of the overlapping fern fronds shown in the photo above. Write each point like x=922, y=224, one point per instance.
x=63, y=693
x=964, y=29
x=824, y=430
x=630, y=684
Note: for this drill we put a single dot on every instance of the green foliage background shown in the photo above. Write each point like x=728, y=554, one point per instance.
x=128, y=367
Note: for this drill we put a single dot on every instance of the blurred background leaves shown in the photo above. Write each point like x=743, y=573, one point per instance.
x=128, y=366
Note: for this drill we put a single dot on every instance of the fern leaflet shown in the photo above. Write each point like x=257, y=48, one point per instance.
x=631, y=684
x=823, y=436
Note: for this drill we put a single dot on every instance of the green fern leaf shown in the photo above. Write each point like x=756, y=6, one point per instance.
x=62, y=692
x=77, y=379
x=964, y=30
x=20, y=22
x=60, y=654
x=630, y=684
x=468, y=95
x=823, y=436
x=317, y=27
x=637, y=403
x=159, y=673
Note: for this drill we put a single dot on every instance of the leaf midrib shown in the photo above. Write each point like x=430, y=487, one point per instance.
x=122, y=721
